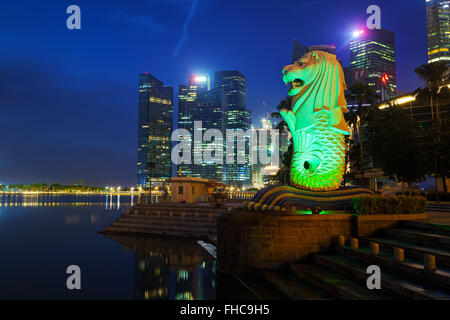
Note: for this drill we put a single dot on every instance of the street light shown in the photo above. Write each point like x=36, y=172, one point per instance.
x=403, y=100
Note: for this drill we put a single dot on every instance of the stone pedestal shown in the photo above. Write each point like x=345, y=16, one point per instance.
x=375, y=248
x=354, y=243
x=429, y=262
x=399, y=254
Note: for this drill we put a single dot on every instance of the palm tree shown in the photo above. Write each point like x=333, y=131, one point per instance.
x=360, y=94
x=434, y=74
x=283, y=174
x=286, y=103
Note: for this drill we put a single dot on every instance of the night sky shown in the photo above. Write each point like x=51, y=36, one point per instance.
x=68, y=98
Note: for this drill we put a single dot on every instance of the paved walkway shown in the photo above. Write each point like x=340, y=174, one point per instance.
x=438, y=212
x=439, y=218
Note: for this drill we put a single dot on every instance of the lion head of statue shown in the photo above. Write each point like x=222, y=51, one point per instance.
x=316, y=82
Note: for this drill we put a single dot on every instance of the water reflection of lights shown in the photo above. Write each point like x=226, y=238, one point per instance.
x=51, y=200
x=73, y=219
x=171, y=270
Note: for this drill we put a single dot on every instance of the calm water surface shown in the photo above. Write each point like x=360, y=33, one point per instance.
x=41, y=235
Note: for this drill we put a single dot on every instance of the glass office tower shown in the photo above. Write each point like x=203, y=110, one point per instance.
x=222, y=108
x=236, y=116
x=191, y=109
x=438, y=30
x=154, y=164
x=188, y=96
x=373, y=53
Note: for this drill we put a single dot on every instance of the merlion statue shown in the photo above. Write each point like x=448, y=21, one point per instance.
x=316, y=121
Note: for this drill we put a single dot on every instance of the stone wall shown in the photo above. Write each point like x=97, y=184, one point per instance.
x=266, y=241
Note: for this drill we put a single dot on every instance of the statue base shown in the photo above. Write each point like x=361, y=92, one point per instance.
x=284, y=198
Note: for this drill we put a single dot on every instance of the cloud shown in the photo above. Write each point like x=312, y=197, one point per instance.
x=185, y=34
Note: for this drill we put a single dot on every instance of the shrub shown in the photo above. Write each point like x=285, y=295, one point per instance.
x=442, y=196
x=413, y=193
x=389, y=205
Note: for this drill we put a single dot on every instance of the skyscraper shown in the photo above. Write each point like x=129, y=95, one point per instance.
x=188, y=96
x=236, y=116
x=438, y=30
x=260, y=170
x=197, y=103
x=154, y=131
x=372, y=53
x=208, y=110
x=222, y=108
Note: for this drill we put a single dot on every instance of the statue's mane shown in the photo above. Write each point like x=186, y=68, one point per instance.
x=326, y=91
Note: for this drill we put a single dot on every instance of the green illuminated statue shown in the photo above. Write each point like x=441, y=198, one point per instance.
x=316, y=121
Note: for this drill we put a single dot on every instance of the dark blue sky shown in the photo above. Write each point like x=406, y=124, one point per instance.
x=68, y=99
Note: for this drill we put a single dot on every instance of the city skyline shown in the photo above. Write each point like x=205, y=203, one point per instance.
x=83, y=85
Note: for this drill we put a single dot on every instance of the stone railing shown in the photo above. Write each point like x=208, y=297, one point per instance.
x=241, y=195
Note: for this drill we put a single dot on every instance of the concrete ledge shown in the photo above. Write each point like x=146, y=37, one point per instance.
x=367, y=225
x=249, y=240
x=267, y=241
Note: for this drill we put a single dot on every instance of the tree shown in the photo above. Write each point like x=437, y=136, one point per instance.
x=359, y=94
x=436, y=75
x=283, y=175
x=395, y=145
x=286, y=104
x=441, y=150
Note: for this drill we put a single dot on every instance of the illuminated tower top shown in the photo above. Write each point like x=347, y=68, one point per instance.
x=438, y=30
x=199, y=83
x=373, y=51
